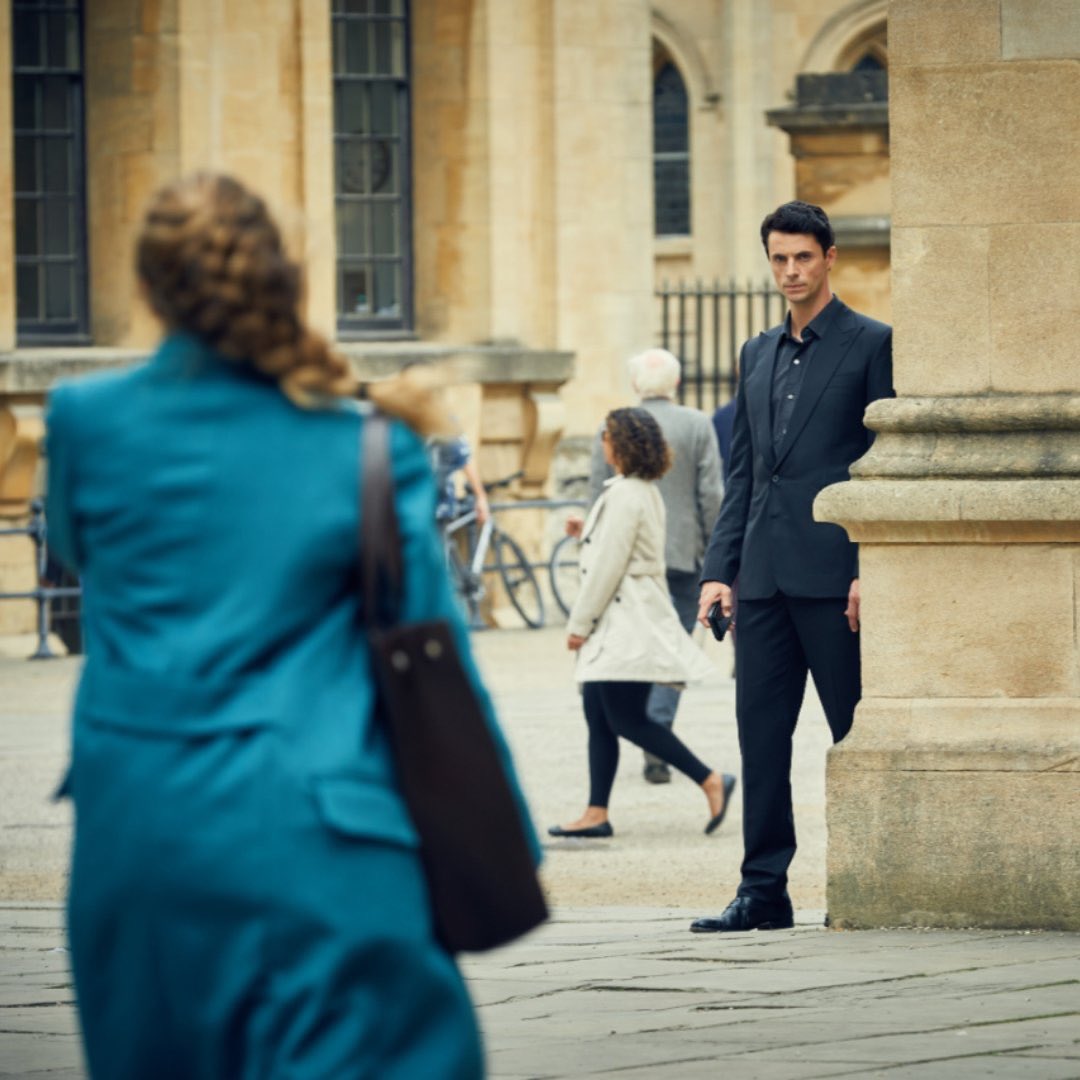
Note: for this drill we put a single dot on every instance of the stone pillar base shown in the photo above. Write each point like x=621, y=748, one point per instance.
x=956, y=813
x=955, y=800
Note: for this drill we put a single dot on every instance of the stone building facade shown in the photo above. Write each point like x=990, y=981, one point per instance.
x=470, y=181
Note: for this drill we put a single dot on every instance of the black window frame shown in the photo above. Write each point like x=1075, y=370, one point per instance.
x=663, y=158
x=42, y=329
x=352, y=325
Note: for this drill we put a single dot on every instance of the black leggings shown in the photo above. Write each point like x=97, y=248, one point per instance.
x=618, y=708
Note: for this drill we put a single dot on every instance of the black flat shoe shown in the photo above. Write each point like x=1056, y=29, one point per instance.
x=745, y=913
x=714, y=822
x=591, y=832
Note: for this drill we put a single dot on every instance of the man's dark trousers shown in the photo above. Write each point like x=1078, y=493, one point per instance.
x=780, y=639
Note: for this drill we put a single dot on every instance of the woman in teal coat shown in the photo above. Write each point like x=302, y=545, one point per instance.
x=246, y=899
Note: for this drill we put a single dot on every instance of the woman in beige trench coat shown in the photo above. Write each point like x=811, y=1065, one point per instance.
x=624, y=628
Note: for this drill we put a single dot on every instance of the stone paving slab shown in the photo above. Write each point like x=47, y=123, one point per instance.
x=588, y=996
x=614, y=986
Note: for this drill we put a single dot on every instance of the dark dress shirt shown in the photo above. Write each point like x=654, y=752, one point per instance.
x=792, y=357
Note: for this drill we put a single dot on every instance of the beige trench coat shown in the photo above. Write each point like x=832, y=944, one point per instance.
x=623, y=608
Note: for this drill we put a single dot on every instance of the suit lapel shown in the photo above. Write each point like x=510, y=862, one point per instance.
x=828, y=353
x=759, y=382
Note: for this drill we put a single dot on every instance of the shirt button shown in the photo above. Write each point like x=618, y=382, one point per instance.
x=791, y=397
x=796, y=359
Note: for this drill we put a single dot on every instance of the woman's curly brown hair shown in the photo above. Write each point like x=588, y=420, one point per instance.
x=638, y=443
x=213, y=263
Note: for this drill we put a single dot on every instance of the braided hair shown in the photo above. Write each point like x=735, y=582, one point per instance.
x=637, y=443
x=213, y=264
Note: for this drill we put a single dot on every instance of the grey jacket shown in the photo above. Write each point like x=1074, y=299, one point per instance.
x=692, y=490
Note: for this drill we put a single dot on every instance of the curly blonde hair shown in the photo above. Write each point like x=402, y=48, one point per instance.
x=213, y=263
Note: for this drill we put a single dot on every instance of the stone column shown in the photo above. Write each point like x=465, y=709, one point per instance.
x=955, y=801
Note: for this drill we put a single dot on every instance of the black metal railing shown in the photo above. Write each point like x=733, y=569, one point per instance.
x=705, y=325
x=57, y=600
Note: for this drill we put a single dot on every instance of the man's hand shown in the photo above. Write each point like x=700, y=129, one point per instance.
x=574, y=525
x=711, y=591
x=483, y=510
x=574, y=642
x=852, y=610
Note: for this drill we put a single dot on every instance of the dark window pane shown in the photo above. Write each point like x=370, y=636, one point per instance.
x=672, y=189
x=351, y=109
x=27, y=232
x=386, y=228
x=27, y=177
x=352, y=229
x=26, y=31
x=387, y=302
x=384, y=167
x=26, y=292
x=57, y=112
x=352, y=163
x=26, y=94
x=63, y=41
x=389, y=48
x=57, y=214
x=354, y=290
x=383, y=108
x=357, y=60
x=869, y=62
x=671, y=128
x=60, y=291
x=357, y=7
x=57, y=165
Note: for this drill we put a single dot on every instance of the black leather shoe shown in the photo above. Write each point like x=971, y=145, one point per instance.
x=592, y=832
x=745, y=913
x=656, y=772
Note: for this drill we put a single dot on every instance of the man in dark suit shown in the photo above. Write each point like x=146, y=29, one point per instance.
x=803, y=389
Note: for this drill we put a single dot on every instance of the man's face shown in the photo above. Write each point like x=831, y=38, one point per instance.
x=800, y=267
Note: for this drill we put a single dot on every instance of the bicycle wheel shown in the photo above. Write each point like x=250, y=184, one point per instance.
x=519, y=580
x=564, y=571
x=467, y=589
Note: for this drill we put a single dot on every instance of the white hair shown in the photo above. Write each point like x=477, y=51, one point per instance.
x=655, y=373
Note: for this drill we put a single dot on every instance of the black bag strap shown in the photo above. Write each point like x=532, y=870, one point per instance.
x=380, y=538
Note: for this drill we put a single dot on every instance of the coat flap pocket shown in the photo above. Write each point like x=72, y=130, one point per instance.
x=357, y=806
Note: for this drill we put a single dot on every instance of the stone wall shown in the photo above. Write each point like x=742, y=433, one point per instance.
x=956, y=799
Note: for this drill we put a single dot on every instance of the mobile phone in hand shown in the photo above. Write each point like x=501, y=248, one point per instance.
x=718, y=621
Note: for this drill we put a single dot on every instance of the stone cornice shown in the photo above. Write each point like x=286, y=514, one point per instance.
x=984, y=412
x=27, y=374
x=995, y=468
x=796, y=119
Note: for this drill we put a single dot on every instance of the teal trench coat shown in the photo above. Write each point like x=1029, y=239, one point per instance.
x=246, y=899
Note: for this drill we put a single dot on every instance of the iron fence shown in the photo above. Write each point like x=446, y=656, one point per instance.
x=705, y=325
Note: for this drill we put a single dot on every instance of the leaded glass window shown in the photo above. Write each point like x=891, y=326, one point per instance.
x=671, y=153
x=371, y=164
x=50, y=196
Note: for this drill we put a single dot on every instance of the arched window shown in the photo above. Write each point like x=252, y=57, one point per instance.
x=671, y=152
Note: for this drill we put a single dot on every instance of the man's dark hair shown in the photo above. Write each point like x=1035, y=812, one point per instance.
x=799, y=217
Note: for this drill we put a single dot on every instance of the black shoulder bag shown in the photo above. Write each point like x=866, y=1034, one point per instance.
x=480, y=872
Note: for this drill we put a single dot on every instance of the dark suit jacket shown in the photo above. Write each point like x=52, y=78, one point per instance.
x=723, y=422
x=766, y=535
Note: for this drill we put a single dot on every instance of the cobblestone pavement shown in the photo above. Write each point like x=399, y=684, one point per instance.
x=614, y=985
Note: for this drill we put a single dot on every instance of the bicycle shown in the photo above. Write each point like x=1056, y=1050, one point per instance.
x=564, y=572
x=491, y=554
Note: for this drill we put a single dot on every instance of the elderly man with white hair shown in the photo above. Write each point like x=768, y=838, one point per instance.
x=692, y=491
